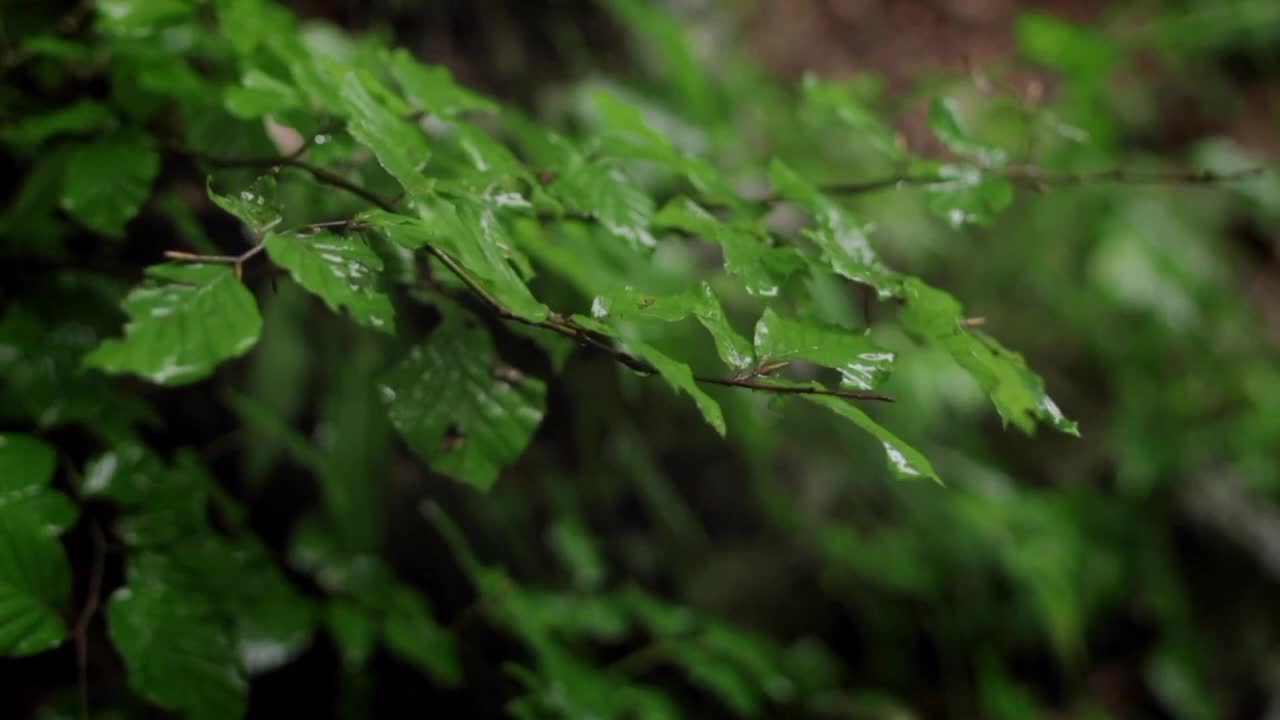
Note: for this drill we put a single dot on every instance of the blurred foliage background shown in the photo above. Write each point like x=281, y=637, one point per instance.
x=1129, y=573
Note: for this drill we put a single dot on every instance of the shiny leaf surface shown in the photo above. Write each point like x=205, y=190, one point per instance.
x=342, y=270
x=183, y=321
x=460, y=408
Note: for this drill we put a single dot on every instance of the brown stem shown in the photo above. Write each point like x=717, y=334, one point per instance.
x=1032, y=176
x=93, y=599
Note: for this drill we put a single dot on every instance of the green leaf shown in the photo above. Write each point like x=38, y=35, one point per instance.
x=35, y=579
x=748, y=254
x=108, y=179
x=354, y=631
x=460, y=408
x=1017, y=392
x=840, y=235
x=139, y=18
x=256, y=205
x=260, y=94
x=26, y=469
x=341, y=269
x=578, y=553
x=861, y=363
x=471, y=234
x=274, y=622
x=413, y=634
x=35, y=587
x=433, y=89
x=179, y=653
x=400, y=147
x=161, y=505
x=967, y=195
x=490, y=158
x=78, y=117
x=838, y=100
x=673, y=44
x=719, y=678
x=944, y=120
x=701, y=303
x=904, y=460
x=677, y=374
x=602, y=190
x=627, y=134
x=183, y=321
x=1079, y=52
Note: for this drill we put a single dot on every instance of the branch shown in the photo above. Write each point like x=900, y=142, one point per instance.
x=93, y=598
x=569, y=328
x=321, y=174
x=1034, y=177
x=556, y=323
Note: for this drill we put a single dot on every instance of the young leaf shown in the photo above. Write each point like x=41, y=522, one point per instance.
x=183, y=321
x=178, y=651
x=260, y=94
x=274, y=622
x=400, y=147
x=967, y=195
x=944, y=120
x=413, y=634
x=1077, y=51
x=460, y=408
x=677, y=374
x=628, y=135
x=701, y=303
x=748, y=255
x=1017, y=392
x=354, y=630
x=861, y=363
x=839, y=101
x=904, y=460
x=433, y=88
x=602, y=190
x=840, y=236
x=341, y=269
x=35, y=579
x=470, y=233
x=78, y=117
x=108, y=179
x=35, y=586
x=26, y=469
x=256, y=205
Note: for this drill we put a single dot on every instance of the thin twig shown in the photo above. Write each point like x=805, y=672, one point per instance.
x=322, y=174
x=1034, y=177
x=236, y=260
x=92, y=600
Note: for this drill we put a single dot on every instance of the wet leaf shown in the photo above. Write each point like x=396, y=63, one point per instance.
x=760, y=266
x=460, y=408
x=862, y=364
x=904, y=460
x=183, y=321
x=177, y=650
x=837, y=232
x=472, y=234
x=256, y=205
x=35, y=579
x=1018, y=393
x=400, y=147
x=341, y=269
x=107, y=180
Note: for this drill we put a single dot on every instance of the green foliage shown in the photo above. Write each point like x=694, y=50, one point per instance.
x=35, y=580
x=516, y=291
